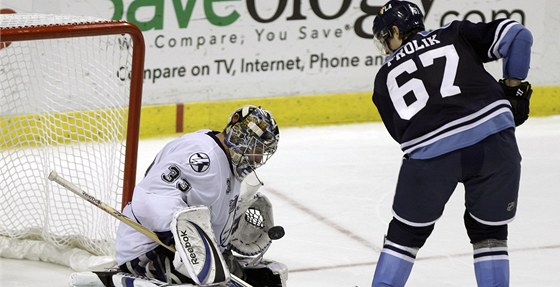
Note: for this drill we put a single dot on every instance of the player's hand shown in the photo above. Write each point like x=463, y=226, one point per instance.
x=519, y=97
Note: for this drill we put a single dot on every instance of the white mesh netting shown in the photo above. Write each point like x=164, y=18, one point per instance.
x=63, y=107
x=23, y=20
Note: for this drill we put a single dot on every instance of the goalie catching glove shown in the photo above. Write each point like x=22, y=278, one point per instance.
x=519, y=98
x=253, y=233
x=253, y=222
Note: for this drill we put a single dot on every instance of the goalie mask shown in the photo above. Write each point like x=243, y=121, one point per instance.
x=251, y=140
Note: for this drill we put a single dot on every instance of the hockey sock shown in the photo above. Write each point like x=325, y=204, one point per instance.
x=394, y=265
x=491, y=263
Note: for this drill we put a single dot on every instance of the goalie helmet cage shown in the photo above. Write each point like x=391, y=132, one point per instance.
x=70, y=98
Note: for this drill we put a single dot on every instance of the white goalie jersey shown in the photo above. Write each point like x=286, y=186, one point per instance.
x=189, y=171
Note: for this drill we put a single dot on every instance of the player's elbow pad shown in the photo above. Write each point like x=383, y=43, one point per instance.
x=518, y=55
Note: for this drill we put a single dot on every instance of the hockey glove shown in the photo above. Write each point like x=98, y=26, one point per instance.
x=519, y=98
x=250, y=235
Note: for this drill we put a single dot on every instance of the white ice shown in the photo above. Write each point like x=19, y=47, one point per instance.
x=332, y=187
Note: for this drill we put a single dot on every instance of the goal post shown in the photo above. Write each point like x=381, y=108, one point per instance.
x=70, y=99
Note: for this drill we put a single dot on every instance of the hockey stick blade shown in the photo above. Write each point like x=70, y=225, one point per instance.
x=53, y=176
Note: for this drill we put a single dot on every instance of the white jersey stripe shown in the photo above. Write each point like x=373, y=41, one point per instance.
x=489, y=258
x=498, y=36
x=490, y=249
x=492, y=223
x=398, y=255
x=458, y=130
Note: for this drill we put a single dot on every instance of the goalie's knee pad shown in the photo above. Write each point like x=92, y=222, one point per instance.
x=407, y=235
x=198, y=255
x=479, y=232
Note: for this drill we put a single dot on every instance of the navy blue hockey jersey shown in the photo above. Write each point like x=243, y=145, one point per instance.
x=433, y=93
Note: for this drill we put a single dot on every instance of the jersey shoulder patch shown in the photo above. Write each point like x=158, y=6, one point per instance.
x=199, y=162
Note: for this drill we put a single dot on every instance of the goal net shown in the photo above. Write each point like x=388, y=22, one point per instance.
x=70, y=96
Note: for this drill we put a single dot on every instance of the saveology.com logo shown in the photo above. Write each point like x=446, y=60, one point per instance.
x=285, y=10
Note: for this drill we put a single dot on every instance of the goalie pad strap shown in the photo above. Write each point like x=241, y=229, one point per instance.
x=157, y=264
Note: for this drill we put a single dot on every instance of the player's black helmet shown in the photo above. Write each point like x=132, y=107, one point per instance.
x=403, y=14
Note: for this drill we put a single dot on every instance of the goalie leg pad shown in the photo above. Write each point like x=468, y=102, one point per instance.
x=128, y=280
x=198, y=255
x=156, y=264
x=86, y=279
x=115, y=279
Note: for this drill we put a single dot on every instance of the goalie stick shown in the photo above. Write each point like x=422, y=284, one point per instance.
x=53, y=176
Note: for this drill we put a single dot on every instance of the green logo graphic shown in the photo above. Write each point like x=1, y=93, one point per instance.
x=183, y=13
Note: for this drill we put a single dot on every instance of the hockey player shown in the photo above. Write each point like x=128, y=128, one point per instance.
x=455, y=124
x=189, y=197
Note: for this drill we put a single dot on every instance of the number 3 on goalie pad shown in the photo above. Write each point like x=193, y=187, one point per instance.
x=197, y=255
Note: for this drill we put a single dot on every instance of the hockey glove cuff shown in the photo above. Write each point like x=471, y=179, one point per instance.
x=519, y=98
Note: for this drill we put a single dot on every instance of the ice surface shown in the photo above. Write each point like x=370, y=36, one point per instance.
x=331, y=188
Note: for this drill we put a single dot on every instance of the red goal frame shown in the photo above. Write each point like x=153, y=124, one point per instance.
x=58, y=31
